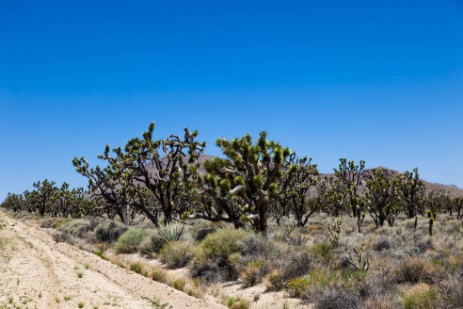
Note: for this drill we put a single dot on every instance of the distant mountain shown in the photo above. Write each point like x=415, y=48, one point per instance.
x=453, y=190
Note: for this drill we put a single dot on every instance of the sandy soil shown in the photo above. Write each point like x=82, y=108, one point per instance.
x=37, y=272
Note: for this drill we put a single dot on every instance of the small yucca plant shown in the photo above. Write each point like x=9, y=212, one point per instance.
x=171, y=232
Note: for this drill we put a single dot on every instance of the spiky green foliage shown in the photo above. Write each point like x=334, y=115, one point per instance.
x=296, y=197
x=14, y=202
x=347, y=181
x=166, y=171
x=348, y=176
x=411, y=192
x=171, y=232
x=46, y=196
x=110, y=184
x=244, y=184
x=382, y=198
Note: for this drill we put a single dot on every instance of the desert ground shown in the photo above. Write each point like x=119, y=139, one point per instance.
x=37, y=272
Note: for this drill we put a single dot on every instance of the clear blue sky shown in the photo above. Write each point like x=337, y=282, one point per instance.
x=375, y=80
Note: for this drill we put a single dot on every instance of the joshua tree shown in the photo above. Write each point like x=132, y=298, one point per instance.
x=168, y=169
x=332, y=196
x=14, y=202
x=348, y=177
x=47, y=194
x=111, y=184
x=411, y=191
x=249, y=179
x=381, y=197
x=296, y=198
x=458, y=204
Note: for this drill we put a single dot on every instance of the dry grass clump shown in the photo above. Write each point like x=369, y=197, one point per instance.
x=421, y=296
x=416, y=269
x=296, y=264
x=237, y=302
x=254, y=272
x=152, y=244
x=159, y=275
x=336, y=297
x=176, y=254
x=215, y=257
x=322, y=252
x=76, y=227
x=451, y=289
x=64, y=237
x=190, y=287
x=130, y=241
x=387, y=301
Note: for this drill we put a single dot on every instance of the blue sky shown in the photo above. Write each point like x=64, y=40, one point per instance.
x=380, y=81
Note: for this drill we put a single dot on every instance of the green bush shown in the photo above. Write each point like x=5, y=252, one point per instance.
x=216, y=256
x=274, y=281
x=298, y=286
x=237, y=302
x=415, y=269
x=159, y=275
x=176, y=254
x=254, y=272
x=130, y=241
x=421, y=297
x=220, y=244
x=136, y=267
x=160, y=238
x=153, y=244
x=321, y=251
x=171, y=232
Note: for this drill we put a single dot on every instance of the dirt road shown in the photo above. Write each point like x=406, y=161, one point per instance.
x=37, y=272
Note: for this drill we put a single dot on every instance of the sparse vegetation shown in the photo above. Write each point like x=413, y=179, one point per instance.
x=358, y=238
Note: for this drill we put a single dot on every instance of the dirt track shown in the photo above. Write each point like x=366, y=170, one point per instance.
x=38, y=272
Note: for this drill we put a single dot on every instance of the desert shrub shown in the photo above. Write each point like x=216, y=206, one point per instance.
x=130, y=240
x=298, y=286
x=48, y=222
x=297, y=265
x=321, y=251
x=237, y=302
x=415, y=269
x=386, y=301
x=76, y=227
x=136, y=267
x=109, y=231
x=273, y=281
x=335, y=297
x=200, y=232
x=383, y=243
x=153, y=244
x=255, y=246
x=171, y=232
x=421, y=296
x=452, y=291
x=372, y=288
x=176, y=254
x=212, y=261
x=159, y=275
x=64, y=237
x=157, y=240
x=179, y=284
x=254, y=272
x=294, y=265
x=222, y=243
